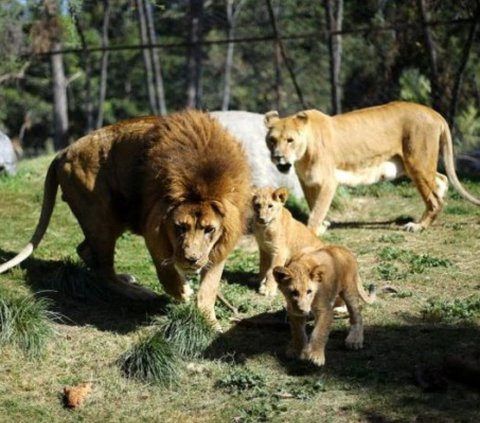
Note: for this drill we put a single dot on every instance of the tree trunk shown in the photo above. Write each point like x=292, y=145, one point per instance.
x=334, y=16
x=432, y=57
x=60, y=104
x=157, y=68
x=232, y=13
x=194, y=61
x=146, y=57
x=104, y=63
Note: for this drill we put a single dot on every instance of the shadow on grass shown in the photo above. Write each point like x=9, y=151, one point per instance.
x=81, y=298
x=385, y=366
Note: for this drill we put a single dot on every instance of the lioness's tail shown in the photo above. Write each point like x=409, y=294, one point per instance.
x=369, y=297
x=49, y=196
x=447, y=152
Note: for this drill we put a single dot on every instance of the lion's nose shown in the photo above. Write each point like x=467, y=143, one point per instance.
x=191, y=259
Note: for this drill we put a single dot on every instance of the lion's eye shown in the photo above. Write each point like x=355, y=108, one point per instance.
x=209, y=230
x=270, y=206
x=309, y=292
x=271, y=140
x=294, y=293
x=256, y=206
x=289, y=140
x=181, y=228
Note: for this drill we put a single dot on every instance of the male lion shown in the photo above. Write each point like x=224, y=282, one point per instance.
x=181, y=182
x=311, y=282
x=364, y=147
x=278, y=234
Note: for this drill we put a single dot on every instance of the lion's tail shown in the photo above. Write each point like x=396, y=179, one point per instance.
x=49, y=196
x=447, y=152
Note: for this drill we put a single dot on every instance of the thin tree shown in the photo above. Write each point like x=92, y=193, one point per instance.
x=232, y=14
x=334, y=17
x=283, y=53
x=156, y=65
x=194, y=60
x=432, y=56
x=147, y=58
x=46, y=37
x=104, y=63
x=463, y=64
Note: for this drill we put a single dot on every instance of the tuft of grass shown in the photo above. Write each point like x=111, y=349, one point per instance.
x=26, y=323
x=241, y=380
x=152, y=360
x=450, y=311
x=187, y=329
x=417, y=263
x=393, y=238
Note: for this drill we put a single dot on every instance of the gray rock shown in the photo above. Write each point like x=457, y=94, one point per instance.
x=8, y=158
x=250, y=130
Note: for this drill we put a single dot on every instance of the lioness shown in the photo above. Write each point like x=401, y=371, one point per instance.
x=311, y=282
x=181, y=182
x=364, y=147
x=278, y=234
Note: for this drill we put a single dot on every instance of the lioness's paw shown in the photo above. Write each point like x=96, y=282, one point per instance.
x=316, y=357
x=413, y=227
x=125, y=277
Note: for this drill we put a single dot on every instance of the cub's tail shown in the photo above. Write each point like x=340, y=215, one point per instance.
x=49, y=196
x=447, y=152
x=369, y=297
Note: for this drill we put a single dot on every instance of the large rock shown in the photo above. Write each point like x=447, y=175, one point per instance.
x=250, y=130
x=8, y=158
x=468, y=164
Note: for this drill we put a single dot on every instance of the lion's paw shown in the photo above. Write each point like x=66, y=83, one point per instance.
x=187, y=292
x=413, y=227
x=268, y=288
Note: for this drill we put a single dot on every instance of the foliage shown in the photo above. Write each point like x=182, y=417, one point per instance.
x=448, y=310
x=241, y=380
x=414, y=86
x=26, y=322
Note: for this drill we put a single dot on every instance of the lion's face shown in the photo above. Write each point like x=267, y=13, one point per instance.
x=267, y=203
x=286, y=139
x=194, y=231
x=299, y=284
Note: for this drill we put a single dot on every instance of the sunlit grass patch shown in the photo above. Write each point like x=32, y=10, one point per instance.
x=240, y=380
x=152, y=360
x=450, y=311
x=25, y=322
x=187, y=329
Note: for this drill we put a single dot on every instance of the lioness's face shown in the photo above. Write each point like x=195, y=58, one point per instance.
x=196, y=229
x=299, y=285
x=286, y=139
x=267, y=203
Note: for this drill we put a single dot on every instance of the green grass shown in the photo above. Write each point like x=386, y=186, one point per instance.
x=26, y=323
x=243, y=375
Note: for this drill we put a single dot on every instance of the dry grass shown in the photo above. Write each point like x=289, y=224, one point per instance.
x=244, y=375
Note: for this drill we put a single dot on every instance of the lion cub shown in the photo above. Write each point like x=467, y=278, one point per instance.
x=278, y=234
x=311, y=282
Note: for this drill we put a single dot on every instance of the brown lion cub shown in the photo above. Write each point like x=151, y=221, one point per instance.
x=278, y=234
x=311, y=282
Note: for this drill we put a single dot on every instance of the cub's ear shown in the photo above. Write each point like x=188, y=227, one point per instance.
x=318, y=272
x=302, y=116
x=281, y=274
x=280, y=194
x=270, y=118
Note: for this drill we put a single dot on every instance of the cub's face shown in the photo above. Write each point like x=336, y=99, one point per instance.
x=299, y=285
x=286, y=139
x=267, y=203
x=194, y=231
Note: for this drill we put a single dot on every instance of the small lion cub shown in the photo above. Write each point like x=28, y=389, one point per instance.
x=311, y=282
x=278, y=234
